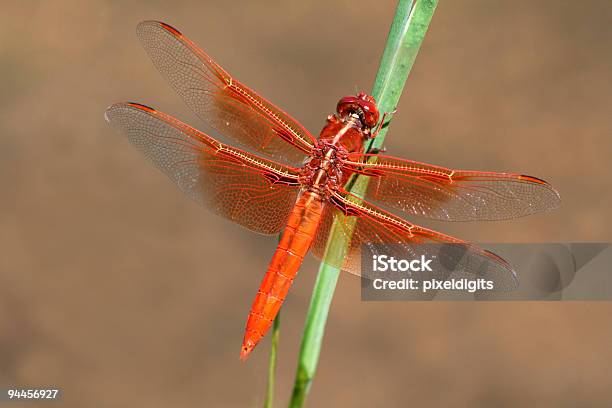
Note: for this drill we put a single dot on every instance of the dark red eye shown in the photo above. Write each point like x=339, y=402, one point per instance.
x=370, y=112
x=363, y=105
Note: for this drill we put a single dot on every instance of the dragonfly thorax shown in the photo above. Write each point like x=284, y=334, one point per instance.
x=346, y=132
x=322, y=171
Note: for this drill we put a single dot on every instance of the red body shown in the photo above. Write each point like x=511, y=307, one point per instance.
x=294, y=244
x=284, y=179
x=341, y=136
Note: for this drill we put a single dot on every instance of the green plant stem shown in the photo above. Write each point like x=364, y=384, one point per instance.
x=405, y=37
x=272, y=364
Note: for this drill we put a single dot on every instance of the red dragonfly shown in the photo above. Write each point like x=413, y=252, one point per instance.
x=284, y=179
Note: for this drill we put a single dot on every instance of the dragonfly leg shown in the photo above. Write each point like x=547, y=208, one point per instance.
x=377, y=150
x=382, y=123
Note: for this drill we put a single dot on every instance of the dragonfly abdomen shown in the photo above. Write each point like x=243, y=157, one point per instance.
x=293, y=246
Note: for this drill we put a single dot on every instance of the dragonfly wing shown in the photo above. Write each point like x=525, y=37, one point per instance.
x=252, y=191
x=360, y=224
x=224, y=103
x=452, y=195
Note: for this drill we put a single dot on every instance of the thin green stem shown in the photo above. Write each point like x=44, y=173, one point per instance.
x=272, y=364
x=405, y=37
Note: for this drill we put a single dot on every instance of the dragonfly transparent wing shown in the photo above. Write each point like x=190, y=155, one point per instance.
x=359, y=223
x=252, y=191
x=452, y=195
x=227, y=105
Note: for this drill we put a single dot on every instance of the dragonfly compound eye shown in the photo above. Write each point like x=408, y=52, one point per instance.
x=363, y=105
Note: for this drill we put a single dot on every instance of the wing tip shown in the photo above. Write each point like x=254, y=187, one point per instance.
x=556, y=201
x=109, y=111
x=135, y=105
x=160, y=24
x=140, y=106
x=533, y=179
x=168, y=27
x=505, y=265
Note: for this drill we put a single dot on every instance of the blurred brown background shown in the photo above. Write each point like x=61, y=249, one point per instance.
x=119, y=290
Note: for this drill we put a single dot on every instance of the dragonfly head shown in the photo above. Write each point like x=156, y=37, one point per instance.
x=363, y=105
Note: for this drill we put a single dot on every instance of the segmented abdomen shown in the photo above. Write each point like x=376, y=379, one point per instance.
x=293, y=246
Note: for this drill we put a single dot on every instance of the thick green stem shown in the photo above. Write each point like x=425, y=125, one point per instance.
x=405, y=37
